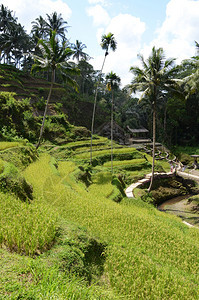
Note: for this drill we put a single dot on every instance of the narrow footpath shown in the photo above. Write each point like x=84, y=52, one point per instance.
x=193, y=174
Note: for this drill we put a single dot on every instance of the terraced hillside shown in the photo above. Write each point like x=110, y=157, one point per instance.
x=23, y=85
x=80, y=238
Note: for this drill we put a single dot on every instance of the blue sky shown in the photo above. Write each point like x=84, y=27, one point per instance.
x=138, y=25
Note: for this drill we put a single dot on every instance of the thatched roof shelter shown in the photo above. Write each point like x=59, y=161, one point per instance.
x=137, y=131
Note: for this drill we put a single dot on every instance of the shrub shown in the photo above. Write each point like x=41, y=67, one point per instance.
x=79, y=253
x=80, y=132
x=12, y=181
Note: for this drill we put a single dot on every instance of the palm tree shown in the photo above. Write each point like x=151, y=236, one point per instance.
x=39, y=28
x=7, y=23
x=6, y=19
x=191, y=76
x=53, y=57
x=113, y=82
x=13, y=43
x=154, y=79
x=107, y=42
x=56, y=23
x=78, y=51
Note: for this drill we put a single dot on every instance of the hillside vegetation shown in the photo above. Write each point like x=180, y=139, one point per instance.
x=22, y=99
x=67, y=229
x=78, y=237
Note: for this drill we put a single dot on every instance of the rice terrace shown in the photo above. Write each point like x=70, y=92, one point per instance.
x=99, y=184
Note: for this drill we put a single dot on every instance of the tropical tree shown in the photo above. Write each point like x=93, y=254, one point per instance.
x=107, y=42
x=113, y=82
x=86, y=78
x=53, y=57
x=39, y=28
x=191, y=73
x=154, y=79
x=56, y=23
x=7, y=23
x=6, y=19
x=13, y=43
x=78, y=51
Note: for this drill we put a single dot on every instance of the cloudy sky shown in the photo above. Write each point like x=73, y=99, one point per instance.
x=137, y=25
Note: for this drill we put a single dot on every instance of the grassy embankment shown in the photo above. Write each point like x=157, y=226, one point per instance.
x=72, y=241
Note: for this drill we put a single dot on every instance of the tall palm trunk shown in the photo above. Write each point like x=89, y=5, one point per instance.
x=154, y=139
x=45, y=111
x=165, y=124
x=112, y=132
x=94, y=108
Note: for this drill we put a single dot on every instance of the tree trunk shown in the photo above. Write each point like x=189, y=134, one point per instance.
x=165, y=124
x=94, y=108
x=45, y=111
x=154, y=139
x=112, y=133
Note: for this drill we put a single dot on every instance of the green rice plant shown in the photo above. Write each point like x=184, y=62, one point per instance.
x=162, y=166
x=49, y=283
x=102, y=178
x=23, y=277
x=11, y=181
x=21, y=156
x=1, y=166
x=86, y=143
x=26, y=228
x=70, y=177
x=125, y=162
x=149, y=254
x=105, y=152
x=95, y=148
x=38, y=172
x=7, y=145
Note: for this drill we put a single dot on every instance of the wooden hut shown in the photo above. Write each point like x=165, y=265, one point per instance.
x=138, y=136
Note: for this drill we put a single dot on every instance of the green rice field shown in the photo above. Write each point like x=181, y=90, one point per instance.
x=73, y=241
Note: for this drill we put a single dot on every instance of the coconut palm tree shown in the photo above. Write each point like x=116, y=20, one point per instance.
x=78, y=51
x=39, y=28
x=56, y=23
x=113, y=82
x=191, y=76
x=107, y=42
x=53, y=57
x=6, y=19
x=7, y=23
x=156, y=77
x=13, y=43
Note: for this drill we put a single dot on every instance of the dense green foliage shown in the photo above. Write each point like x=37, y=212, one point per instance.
x=75, y=242
x=177, y=115
x=67, y=231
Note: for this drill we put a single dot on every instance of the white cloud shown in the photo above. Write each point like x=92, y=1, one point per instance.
x=127, y=31
x=103, y=2
x=176, y=36
x=27, y=10
x=179, y=30
x=182, y=19
x=99, y=14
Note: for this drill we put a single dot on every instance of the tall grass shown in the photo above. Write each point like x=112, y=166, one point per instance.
x=32, y=278
x=7, y=145
x=26, y=228
x=1, y=166
x=107, y=152
x=149, y=255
